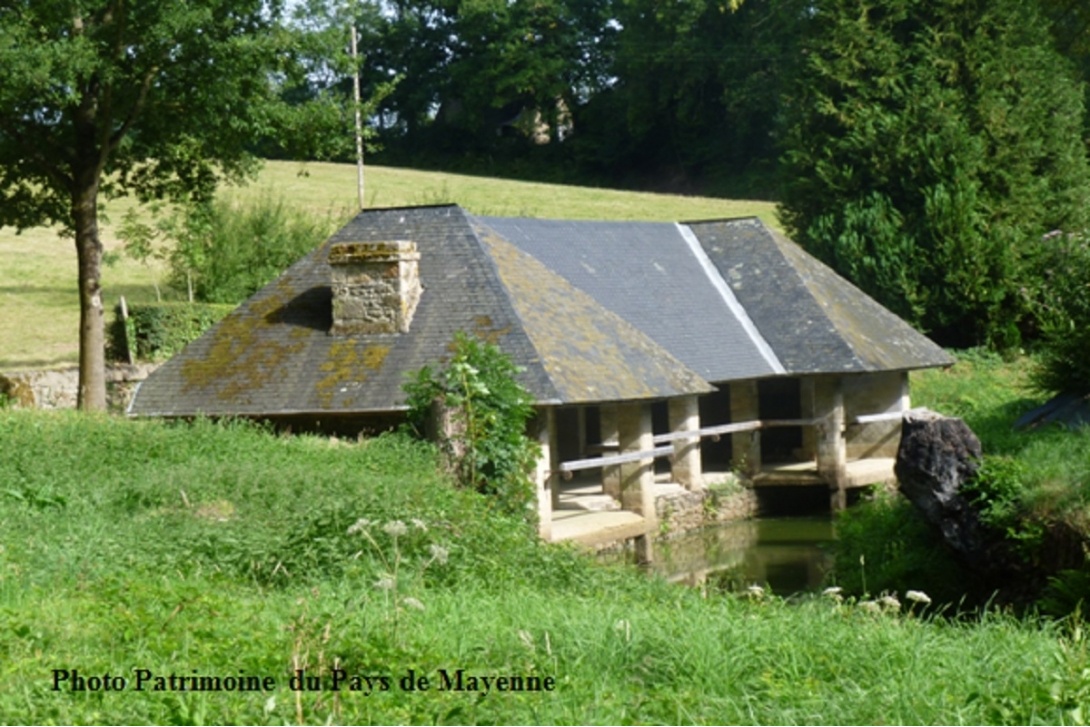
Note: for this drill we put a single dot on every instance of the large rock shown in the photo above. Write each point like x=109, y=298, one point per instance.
x=937, y=456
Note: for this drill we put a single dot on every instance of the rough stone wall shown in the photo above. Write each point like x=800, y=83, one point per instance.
x=680, y=512
x=59, y=388
x=376, y=286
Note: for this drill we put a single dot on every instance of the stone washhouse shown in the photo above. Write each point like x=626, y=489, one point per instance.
x=660, y=355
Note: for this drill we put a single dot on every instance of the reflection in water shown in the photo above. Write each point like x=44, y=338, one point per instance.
x=789, y=555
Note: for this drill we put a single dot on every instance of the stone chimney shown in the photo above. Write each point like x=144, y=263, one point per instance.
x=376, y=286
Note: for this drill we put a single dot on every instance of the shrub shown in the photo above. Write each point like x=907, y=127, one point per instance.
x=885, y=545
x=224, y=252
x=156, y=331
x=1064, y=313
x=487, y=409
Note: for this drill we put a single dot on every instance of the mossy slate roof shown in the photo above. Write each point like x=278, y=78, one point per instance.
x=591, y=311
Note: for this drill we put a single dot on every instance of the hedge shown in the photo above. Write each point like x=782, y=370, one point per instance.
x=156, y=331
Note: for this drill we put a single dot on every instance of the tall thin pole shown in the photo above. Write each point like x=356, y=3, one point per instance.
x=359, y=120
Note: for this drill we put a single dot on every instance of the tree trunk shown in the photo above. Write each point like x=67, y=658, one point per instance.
x=92, y=348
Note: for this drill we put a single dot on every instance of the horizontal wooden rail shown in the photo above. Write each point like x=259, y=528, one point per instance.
x=870, y=418
x=714, y=431
x=591, y=463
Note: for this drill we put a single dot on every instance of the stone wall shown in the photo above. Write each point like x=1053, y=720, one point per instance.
x=59, y=388
x=682, y=511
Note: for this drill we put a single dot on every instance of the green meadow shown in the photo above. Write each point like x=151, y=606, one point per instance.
x=143, y=564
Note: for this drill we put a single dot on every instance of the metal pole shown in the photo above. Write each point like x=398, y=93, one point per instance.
x=359, y=120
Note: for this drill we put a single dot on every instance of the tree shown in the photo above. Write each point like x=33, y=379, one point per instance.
x=928, y=146
x=101, y=98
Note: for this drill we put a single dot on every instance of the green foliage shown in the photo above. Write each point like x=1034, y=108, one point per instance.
x=484, y=439
x=885, y=546
x=156, y=331
x=927, y=148
x=1064, y=312
x=215, y=548
x=224, y=252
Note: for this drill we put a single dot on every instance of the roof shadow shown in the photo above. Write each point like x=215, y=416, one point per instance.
x=312, y=308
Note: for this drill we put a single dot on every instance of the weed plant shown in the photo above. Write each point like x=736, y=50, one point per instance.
x=225, y=549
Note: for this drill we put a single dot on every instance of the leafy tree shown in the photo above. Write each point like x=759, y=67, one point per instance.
x=928, y=147
x=473, y=66
x=695, y=89
x=101, y=98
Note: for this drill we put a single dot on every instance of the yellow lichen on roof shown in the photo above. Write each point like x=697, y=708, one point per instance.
x=346, y=367
x=239, y=358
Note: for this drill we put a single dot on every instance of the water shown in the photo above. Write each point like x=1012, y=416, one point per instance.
x=788, y=554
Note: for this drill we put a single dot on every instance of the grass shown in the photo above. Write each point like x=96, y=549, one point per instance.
x=187, y=549
x=38, y=268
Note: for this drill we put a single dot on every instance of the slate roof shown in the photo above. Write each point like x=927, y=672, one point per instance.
x=814, y=320
x=593, y=311
x=274, y=355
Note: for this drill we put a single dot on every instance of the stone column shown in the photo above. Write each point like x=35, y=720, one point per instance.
x=611, y=474
x=745, y=446
x=806, y=409
x=546, y=471
x=832, y=452
x=638, y=478
x=684, y=414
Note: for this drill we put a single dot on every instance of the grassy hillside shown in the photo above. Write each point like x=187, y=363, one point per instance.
x=38, y=269
x=138, y=550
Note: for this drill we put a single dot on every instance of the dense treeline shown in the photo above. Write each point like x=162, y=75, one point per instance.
x=923, y=149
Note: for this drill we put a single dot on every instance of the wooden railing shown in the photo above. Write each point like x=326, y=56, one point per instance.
x=713, y=432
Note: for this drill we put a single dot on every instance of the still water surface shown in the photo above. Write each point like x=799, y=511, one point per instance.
x=788, y=554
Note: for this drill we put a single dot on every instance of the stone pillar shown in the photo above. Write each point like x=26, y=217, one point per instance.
x=806, y=410
x=684, y=414
x=546, y=471
x=611, y=474
x=832, y=452
x=745, y=446
x=638, y=478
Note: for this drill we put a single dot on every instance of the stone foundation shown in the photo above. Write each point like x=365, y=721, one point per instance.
x=682, y=511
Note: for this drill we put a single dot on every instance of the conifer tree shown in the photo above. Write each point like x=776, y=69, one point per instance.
x=928, y=147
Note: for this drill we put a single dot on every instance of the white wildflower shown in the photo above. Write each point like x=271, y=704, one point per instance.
x=833, y=592
x=419, y=524
x=755, y=591
x=413, y=603
x=438, y=553
x=918, y=597
x=270, y=705
x=386, y=583
x=870, y=606
x=394, y=528
x=889, y=602
x=359, y=526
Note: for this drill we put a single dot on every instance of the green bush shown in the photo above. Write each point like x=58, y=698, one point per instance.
x=488, y=449
x=156, y=331
x=1064, y=312
x=885, y=545
x=224, y=252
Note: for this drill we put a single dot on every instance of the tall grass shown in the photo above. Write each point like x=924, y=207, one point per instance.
x=215, y=549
